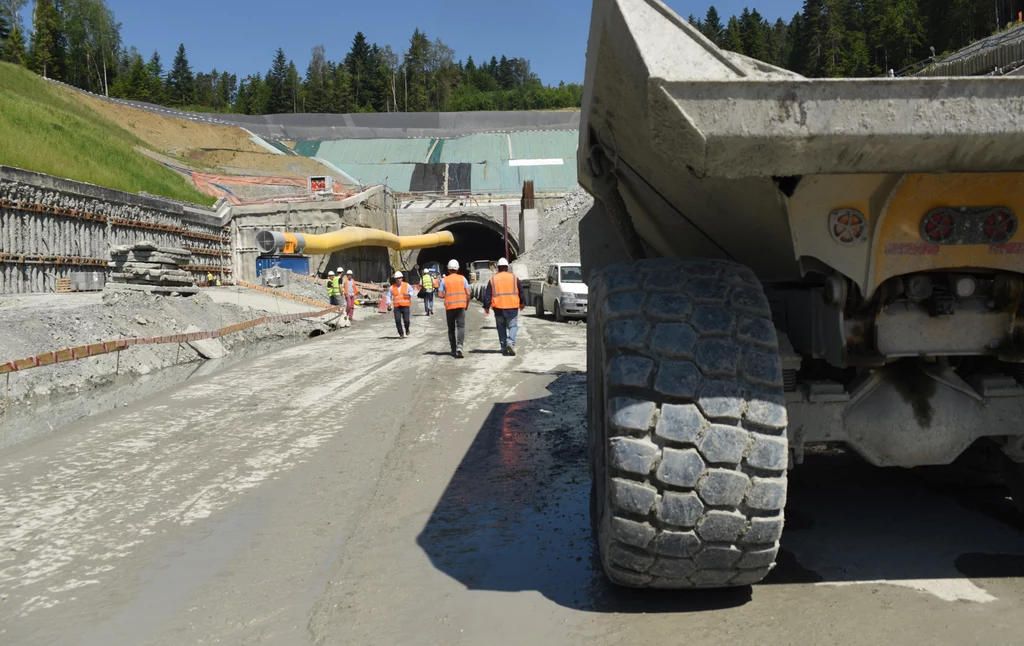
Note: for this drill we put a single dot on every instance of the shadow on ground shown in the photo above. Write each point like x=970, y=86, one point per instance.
x=515, y=517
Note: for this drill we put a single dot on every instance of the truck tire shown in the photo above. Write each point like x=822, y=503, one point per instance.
x=538, y=307
x=687, y=425
x=559, y=317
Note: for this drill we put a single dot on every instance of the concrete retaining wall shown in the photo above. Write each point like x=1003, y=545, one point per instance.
x=52, y=227
x=374, y=208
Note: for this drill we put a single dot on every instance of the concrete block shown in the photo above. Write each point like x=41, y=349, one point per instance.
x=207, y=348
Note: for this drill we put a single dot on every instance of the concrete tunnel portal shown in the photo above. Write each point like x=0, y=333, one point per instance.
x=477, y=237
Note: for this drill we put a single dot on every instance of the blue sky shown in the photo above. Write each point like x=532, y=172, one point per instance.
x=241, y=36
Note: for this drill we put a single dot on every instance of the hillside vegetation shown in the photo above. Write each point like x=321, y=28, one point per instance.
x=44, y=128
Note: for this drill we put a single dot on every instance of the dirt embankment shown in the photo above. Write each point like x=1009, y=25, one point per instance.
x=207, y=147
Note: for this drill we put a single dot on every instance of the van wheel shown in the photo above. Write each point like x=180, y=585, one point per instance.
x=686, y=423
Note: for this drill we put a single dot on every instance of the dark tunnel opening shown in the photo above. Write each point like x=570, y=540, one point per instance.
x=473, y=241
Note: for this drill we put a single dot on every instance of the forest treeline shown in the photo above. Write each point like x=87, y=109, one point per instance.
x=858, y=38
x=79, y=42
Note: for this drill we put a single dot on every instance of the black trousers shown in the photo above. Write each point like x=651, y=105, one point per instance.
x=402, y=316
x=456, y=320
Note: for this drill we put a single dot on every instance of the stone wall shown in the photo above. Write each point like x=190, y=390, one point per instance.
x=51, y=227
x=373, y=208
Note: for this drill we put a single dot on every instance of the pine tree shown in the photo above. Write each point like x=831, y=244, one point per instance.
x=138, y=82
x=46, y=36
x=14, y=46
x=292, y=86
x=181, y=84
x=752, y=33
x=417, y=60
x=315, y=87
x=279, y=101
x=340, y=97
x=155, y=73
x=358, y=65
x=712, y=26
x=732, y=38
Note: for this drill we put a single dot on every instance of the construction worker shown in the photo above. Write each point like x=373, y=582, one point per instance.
x=505, y=296
x=399, y=298
x=209, y=278
x=349, y=289
x=427, y=285
x=333, y=291
x=455, y=293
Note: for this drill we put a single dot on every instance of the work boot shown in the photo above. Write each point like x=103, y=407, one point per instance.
x=458, y=354
x=511, y=350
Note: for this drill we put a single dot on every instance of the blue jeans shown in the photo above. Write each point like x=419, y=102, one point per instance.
x=508, y=325
x=428, y=302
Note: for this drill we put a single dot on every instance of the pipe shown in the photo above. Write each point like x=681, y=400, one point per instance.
x=273, y=242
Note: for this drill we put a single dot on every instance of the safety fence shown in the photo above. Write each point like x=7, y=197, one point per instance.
x=117, y=345
x=371, y=292
x=219, y=186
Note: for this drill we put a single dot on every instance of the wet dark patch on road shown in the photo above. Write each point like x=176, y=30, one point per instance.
x=515, y=514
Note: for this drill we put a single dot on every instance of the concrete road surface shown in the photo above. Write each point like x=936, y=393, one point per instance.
x=361, y=489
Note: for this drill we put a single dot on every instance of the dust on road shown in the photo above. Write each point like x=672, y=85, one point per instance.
x=360, y=489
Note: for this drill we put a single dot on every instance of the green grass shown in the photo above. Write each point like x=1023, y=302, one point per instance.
x=44, y=129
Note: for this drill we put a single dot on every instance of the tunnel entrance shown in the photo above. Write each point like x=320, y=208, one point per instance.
x=473, y=241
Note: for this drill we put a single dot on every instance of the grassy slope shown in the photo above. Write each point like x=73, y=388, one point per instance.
x=44, y=129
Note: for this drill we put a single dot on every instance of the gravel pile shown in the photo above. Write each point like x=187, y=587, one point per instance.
x=306, y=289
x=559, y=239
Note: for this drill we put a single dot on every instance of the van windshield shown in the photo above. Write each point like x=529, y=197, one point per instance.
x=572, y=275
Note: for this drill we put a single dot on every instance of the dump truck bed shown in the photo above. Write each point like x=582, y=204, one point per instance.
x=708, y=146
x=658, y=85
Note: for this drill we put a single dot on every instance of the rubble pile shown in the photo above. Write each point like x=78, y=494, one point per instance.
x=559, y=239
x=145, y=263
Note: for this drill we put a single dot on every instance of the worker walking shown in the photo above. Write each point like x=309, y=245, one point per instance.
x=333, y=290
x=427, y=285
x=400, y=300
x=454, y=291
x=349, y=289
x=209, y=279
x=505, y=296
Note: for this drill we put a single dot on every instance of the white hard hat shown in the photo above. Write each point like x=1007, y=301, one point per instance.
x=502, y=262
x=398, y=274
x=330, y=273
x=453, y=264
x=349, y=272
x=340, y=270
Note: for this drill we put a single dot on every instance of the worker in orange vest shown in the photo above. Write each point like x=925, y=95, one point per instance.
x=454, y=292
x=505, y=296
x=399, y=299
x=349, y=290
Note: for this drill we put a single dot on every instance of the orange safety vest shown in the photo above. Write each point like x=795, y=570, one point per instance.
x=503, y=291
x=455, y=294
x=401, y=298
x=344, y=286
